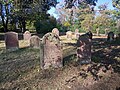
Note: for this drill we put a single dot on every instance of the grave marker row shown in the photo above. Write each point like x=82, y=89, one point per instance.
x=51, y=49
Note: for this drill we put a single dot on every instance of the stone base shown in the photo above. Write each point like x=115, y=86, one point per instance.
x=12, y=49
x=35, y=47
x=52, y=65
x=84, y=60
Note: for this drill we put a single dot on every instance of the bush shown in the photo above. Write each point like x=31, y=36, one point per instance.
x=1, y=29
x=44, y=26
x=61, y=28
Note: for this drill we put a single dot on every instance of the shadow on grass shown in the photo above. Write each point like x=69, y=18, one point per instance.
x=69, y=59
x=108, y=53
x=17, y=63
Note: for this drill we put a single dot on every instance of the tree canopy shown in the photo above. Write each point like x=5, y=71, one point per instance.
x=116, y=3
x=71, y=3
x=73, y=14
x=18, y=11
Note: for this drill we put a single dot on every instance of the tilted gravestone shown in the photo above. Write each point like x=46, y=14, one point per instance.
x=34, y=41
x=27, y=35
x=84, y=49
x=69, y=35
x=11, y=41
x=77, y=34
x=110, y=36
x=51, y=51
x=55, y=31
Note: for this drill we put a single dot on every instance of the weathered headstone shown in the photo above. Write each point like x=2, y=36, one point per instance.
x=69, y=35
x=52, y=51
x=34, y=41
x=11, y=41
x=55, y=31
x=110, y=36
x=84, y=49
x=27, y=35
x=89, y=33
x=77, y=34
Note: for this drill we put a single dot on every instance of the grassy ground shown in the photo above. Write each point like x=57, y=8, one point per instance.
x=20, y=70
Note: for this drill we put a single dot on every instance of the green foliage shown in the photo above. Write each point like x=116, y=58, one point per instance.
x=87, y=23
x=102, y=21
x=44, y=26
x=22, y=11
x=76, y=25
x=5, y=12
x=61, y=28
x=30, y=26
x=5, y=2
x=81, y=3
x=67, y=24
x=106, y=20
x=116, y=3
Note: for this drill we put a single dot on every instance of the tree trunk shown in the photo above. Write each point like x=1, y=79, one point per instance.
x=97, y=31
x=24, y=25
x=4, y=22
x=5, y=28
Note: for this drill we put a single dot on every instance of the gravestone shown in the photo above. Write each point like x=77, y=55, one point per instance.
x=27, y=35
x=52, y=51
x=118, y=37
x=34, y=41
x=84, y=49
x=55, y=31
x=69, y=35
x=11, y=41
x=77, y=34
x=89, y=33
x=110, y=36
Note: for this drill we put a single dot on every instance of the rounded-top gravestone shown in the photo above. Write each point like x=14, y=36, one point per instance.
x=69, y=34
x=11, y=41
x=34, y=41
x=84, y=49
x=110, y=36
x=27, y=35
x=55, y=31
x=52, y=51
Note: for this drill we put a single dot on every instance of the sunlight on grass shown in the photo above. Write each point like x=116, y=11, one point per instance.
x=21, y=68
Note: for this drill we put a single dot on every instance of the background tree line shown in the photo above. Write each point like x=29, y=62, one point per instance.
x=20, y=15
x=24, y=13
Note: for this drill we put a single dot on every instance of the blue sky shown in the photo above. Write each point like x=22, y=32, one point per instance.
x=100, y=2
x=109, y=2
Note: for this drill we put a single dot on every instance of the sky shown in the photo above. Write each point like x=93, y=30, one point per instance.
x=108, y=2
x=100, y=2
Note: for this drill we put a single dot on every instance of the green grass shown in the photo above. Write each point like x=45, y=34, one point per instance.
x=21, y=69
